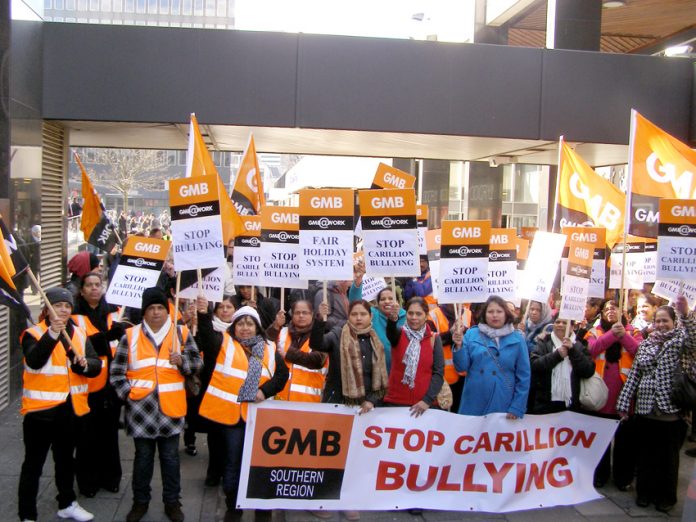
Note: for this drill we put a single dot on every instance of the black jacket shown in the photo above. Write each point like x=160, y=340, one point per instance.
x=544, y=359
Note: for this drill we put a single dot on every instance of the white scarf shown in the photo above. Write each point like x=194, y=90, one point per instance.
x=159, y=336
x=560, y=375
x=219, y=325
x=412, y=355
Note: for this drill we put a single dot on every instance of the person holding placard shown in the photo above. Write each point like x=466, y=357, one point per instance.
x=211, y=330
x=660, y=428
x=340, y=294
x=100, y=426
x=386, y=300
x=307, y=367
x=613, y=344
x=421, y=286
x=248, y=368
x=267, y=307
x=646, y=306
x=418, y=364
x=54, y=396
x=495, y=356
x=558, y=364
x=148, y=373
x=538, y=318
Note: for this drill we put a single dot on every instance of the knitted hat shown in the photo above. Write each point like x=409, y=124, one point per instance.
x=245, y=311
x=152, y=296
x=59, y=295
x=82, y=263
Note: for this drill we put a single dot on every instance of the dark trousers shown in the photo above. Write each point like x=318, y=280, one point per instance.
x=457, y=389
x=619, y=460
x=659, y=443
x=216, y=452
x=144, y=464
x=41, y=433
x=98, y=460
x=234, y=447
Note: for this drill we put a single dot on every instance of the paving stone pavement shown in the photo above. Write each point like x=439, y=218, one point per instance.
x=207, y=504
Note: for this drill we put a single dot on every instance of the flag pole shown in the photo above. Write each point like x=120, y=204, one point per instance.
x=175, y=339
x=282, y=298
x=558, y=178
x=325, y=294
x=627, y=211
x=51, y=310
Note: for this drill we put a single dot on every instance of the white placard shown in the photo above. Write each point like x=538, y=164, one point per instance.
x=422, y=247
x=391, y=253
x=197, y=243
x=635, y=266
x=574, y=297
x=676, y=258
x=541, y=266
x=671, y=289
x=650, y=263
x=597, y=277
x=128, y=284
x=371, y=286
x=326, y=254
x=502, y=279
x=247, y=261
x=213, y=286
x=280, y=265
x=463, y=280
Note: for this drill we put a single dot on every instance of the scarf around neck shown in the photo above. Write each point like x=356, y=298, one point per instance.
x=352, y=382
x=412, y=354
x=254, y=347
x=496, y=333
x=219, y=325
x=159, y=336
x=650, y=349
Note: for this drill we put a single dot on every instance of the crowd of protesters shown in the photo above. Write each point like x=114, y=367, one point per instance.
x=196, y=369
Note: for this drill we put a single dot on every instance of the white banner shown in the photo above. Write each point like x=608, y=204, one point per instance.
x=280, y=266
x=671, y=289
x=325, y=456
x=129, y=282
x=574, y=297
x=541, y=266
x=213, y=286
x=635, y=266
x=246, y=266
x=391, y=252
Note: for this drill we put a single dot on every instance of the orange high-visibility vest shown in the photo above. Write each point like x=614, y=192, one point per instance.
x=304, y=384
x=625, y=361
x=97, y=383
x=50, y=385
x=148, y=368
x=220, y=402
x=442, y=325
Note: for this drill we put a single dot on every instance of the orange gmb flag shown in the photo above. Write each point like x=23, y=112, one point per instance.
x=247, y=192
x=95, y=224
x=200, y=163
x=660, y=166
x=584, y=198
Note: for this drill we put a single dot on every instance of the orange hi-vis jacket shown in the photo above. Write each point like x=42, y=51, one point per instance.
x=97, y=383
x=442, y=325
x=304, y=384
x=220, y=402
x=50, y=385
x=148, y=369
x=625, y=361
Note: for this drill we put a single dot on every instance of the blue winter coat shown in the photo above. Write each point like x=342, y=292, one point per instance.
x=485, y=389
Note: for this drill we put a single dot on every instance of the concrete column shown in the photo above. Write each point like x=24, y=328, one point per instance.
x=574, y=24
x=4, y=102
x=485, y=33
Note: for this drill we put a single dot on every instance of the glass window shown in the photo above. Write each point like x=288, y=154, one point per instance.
x=176, y=6
x=130, y=6
x=222, y=7
x=117, y=6
x=186, y=6
x=94, y=5
x=198, y=8
x=140, y=7
x=81, y=5
x=209, y=7
x=152, y=6
x=164, y=6
x=58, y=5
x=106, y=5
x=47, y=5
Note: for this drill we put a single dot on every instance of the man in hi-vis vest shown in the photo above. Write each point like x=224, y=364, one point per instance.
x=148, y=373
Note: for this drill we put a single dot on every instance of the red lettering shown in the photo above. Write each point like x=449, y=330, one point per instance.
x=393, y=435
x=498, y=475
x=484, y=443
x=503, y=440
x=412, y=478
x=565, y=475
x=537, y=440
x=468, y=483
x=442, y=484
x=519, y=477
x=408, y=438
x=390, y=476
x=563, y=432
x=536, y=476
x=435, y=438
x=458, y=449
x=372, y=433
x=584, y=439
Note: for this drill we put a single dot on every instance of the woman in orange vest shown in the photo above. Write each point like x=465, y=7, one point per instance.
x=211, y=329
x=443, y=320
x=54, y=396
x=307, y=368
x=613, y=344
x=247, y=369
x=101, y=468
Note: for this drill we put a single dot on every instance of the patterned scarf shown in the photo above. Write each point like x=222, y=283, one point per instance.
x=254, y=348
x=298, y=336
x=352, y=383
x=650, y=349
x=412, y=354
x=496, y=333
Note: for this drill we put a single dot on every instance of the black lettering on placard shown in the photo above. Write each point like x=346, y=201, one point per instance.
x=274, y=442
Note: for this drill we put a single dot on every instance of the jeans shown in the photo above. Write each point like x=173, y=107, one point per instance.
x=40, y=435
x=144, y=463
x=234, y=447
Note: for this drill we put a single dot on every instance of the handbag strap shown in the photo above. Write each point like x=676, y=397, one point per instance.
x=500, y=368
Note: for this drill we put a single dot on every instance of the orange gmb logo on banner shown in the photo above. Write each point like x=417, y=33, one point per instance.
x=422, y=215
x=187, y=191
x=503, y=239
x=663, y=166
x=528, y=233
x=455, y=233
x=147, y=247
x=387, y=202
x=581, y=254
x=301, y=440
x=390, y=177
x=678, y=211
x=280, y=218
x=595, y=235
x=433, y=239
x=251, y=226
x=327, y=202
